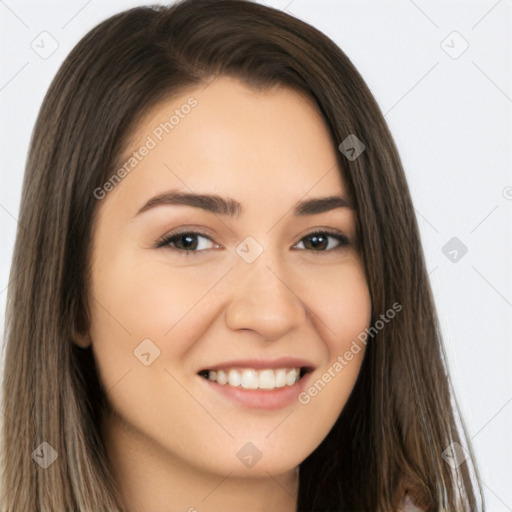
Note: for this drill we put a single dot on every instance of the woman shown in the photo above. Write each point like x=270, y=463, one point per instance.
x=218, y=295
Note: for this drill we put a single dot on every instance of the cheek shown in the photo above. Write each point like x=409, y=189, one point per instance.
x=138, y=310
x=342, y=308
x=137, y=300
x=341, y=303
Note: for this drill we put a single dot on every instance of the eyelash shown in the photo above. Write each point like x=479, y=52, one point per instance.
x=166, y=240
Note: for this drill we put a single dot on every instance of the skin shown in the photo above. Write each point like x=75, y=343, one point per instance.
x=172, y=441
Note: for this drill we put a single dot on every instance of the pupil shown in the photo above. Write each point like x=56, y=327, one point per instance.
x=315, y=244
x=188, y=238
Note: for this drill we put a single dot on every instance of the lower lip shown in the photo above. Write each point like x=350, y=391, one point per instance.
x=261, y=399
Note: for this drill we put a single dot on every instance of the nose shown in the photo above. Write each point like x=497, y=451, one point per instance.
x=264, y=300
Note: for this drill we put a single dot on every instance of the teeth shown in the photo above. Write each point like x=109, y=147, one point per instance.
x=249, y=378
x=267, y=379
x=280, y=379
x=234, y=378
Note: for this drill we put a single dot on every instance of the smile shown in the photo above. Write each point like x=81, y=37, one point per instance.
x=251, y=378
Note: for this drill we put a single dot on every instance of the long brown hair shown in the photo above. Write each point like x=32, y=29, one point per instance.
x=399, y=419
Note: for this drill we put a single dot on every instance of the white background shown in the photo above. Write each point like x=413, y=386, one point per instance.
x=451, y=119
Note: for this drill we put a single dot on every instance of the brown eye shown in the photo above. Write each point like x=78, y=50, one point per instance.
x=185, y=241
x=318, y=241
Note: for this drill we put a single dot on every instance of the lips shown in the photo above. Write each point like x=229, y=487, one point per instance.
x=256, y=383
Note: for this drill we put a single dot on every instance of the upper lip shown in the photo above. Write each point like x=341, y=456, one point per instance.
x=280, y=362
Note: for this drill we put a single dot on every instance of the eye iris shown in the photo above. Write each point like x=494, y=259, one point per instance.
x=317, y=244
x=187, y=237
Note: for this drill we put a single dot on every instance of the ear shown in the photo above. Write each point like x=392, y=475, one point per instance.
x=80, y=339
x=80, y=330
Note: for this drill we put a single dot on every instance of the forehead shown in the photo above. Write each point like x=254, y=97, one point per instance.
x=227, y=137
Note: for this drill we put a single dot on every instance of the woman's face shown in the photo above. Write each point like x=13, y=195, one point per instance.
x=252, y=297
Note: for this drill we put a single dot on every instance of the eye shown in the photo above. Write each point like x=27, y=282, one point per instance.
x=318, y=241
x=185, y=241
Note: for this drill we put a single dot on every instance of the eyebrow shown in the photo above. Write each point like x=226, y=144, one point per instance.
x=226, y=206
